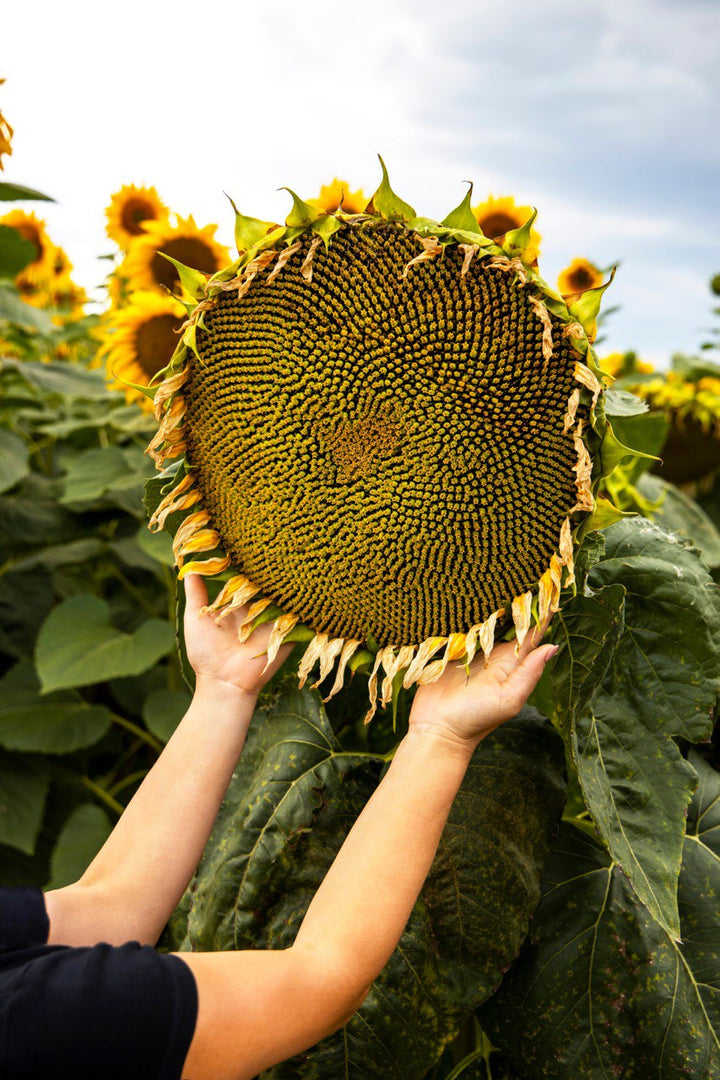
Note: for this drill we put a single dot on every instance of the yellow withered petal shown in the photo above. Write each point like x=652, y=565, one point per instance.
x=522, y=615
x=247, y=623
x=431, y=249
x=584, y=375
x=393, y=662
x=373, y=687
x=280, y=630
x=544, y=316
x=208, y=567
x=328, y=655
x=426, y=651
x=486, y=635
x=349, y=648
x=312, y=653
x=573, y=402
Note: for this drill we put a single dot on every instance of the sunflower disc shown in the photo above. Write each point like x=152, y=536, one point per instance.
x=383, y=451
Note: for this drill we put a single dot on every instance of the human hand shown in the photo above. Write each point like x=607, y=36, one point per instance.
x=213, y=649
x=465, y=705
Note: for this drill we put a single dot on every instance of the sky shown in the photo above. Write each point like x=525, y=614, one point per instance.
x=604, y=116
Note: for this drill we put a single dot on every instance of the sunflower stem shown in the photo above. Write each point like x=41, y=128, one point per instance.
x=102, y=795
x=139, y=733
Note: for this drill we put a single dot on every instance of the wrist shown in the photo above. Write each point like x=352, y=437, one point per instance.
x=228, y=694
x=444, y=740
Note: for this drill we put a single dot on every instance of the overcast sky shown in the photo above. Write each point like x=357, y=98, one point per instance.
x=605, y=116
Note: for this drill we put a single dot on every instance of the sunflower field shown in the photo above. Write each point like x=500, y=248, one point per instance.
x=568, y=928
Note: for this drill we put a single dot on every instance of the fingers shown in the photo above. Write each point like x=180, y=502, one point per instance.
x=534, y=637
x=527, y=673
x=195, y=594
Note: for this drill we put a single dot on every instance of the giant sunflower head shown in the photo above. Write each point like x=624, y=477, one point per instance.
x=382, y=430
x=130, y=211
x=32, y=229
x=138, y=341
x=147, y=264
x=338, y=196
x=499, y=215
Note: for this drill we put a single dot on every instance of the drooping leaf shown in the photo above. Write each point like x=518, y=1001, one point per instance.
x=54, y=724
x=600, y=990
x=84, y=833
x=70, y=554
x=15, y=252
x=62, y=379
x=78, y=646
x=23, y=791
x=193, y=281
x=25, y=600
x=292, y=800
x=20, y=193
x=14, y=460
x=248, y=230
x=662, y=681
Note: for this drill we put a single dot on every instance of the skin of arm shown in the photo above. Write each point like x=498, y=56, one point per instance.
x=256, y=1008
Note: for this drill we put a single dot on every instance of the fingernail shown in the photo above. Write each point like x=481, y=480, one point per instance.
x=552, y=652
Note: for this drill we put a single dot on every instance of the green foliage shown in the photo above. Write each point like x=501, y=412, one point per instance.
x=600, y=988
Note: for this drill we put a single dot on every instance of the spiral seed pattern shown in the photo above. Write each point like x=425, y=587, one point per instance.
x=383, y=455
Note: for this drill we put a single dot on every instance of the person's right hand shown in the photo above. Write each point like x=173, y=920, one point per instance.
x=213, y=648
x=466, y=704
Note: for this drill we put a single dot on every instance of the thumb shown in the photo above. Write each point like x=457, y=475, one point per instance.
x=527, y=674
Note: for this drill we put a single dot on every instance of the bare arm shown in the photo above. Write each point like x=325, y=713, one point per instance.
x=133, y=885
x=359, y=912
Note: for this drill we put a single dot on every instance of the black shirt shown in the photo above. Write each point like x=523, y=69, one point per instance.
x=115, y=1012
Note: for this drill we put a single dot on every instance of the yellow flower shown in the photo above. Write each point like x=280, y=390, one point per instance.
x=617, y=365
x=145, y=267
x=578, y=277
x=130, y=210
x=138, y=341
x=6, y=134
x=31, y=228
x=499, y=215
x=338, y=196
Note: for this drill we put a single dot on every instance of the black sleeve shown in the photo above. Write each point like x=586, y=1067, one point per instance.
x=23, y=918
x=116, y=1012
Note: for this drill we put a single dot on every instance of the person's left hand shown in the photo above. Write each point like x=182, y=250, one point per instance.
x=213, y=648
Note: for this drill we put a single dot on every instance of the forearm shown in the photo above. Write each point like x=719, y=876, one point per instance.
x=359, y=912
x=152, y=853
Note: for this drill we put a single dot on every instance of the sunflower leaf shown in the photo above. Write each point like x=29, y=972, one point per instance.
x=386, y=203
x=249, y=230
x=24, y=787
x=78, y=646
x=599, y=989
x=193, y=281
x=587, y=307
x=20, y=193
x=325, y=227
x=612, y=452
x=58, y=723
x=302, y=214
x=462, y=216
x=516, y=241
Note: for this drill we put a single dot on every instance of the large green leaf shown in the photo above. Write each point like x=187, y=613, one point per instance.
x=14, y=460
x=61, y=379
x=16, y=312
x=662, y=681
x=23, y=791
x=83, y=834
x=94, y=473
x=32, y=518
x=54, y=724
x=25, y=600
x=600, y=990
x=78, y=646
x=293, y=799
